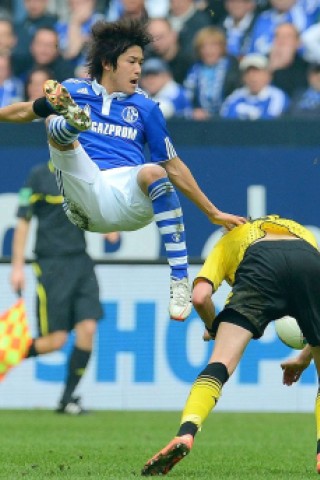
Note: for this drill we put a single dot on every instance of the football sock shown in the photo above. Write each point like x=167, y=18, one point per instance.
x=61, y=132
x=317, y=413
x=32, y=352
x=203, y=397
x=77, y=365
x=169, y=219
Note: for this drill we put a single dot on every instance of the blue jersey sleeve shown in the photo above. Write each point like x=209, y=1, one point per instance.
x=157, y=136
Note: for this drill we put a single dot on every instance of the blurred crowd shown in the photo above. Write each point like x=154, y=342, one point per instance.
x=240, y=59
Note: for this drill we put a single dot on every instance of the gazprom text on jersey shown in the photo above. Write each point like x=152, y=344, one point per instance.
x=114, y=130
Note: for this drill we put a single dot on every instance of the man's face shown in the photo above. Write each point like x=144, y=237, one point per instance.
x=44, y=47
x=36, y=8
x=256, y=79
x=283, y=5
x=125, y=77
x=163, y=36
x=239, y=8
x=180, y=7
x=286, y=36
x=35, y=84
x=211, y=50
x=7, y=38
x=154, y=82
x=133, y=6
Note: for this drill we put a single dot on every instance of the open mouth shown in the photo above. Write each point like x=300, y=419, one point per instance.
x=134, y=82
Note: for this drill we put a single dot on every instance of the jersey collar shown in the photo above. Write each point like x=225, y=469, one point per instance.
x=100, y=90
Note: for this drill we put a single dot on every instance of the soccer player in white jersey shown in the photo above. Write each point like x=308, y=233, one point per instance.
x=97, y=138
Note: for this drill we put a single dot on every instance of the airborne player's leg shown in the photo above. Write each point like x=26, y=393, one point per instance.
x=169, y=219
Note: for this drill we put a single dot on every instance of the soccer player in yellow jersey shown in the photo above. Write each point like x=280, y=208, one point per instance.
x=273, y=266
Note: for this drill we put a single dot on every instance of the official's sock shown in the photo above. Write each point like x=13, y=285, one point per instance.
x=32, y=352
x=169, y=219
x=77, y=365
x=203, y=397
x=61, y=132
x=317, y=414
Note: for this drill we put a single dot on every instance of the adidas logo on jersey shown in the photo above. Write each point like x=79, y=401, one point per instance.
x=83, y=90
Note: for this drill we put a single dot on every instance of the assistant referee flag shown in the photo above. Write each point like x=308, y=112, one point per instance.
x=15, y=337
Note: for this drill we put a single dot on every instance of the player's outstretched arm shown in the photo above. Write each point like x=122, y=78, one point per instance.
x=181, y=176
x=21, y=112
x=293, y=368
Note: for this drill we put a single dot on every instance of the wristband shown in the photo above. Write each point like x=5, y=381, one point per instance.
x=42, y=108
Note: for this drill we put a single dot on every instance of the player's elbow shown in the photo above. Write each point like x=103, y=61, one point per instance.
x=201, y=295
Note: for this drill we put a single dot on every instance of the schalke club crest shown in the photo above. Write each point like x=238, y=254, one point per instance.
x=130, y=114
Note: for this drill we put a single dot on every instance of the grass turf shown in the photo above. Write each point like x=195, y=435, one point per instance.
x=115, y=445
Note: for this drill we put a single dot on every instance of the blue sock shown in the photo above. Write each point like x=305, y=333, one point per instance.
x=169, y=219
x=61, y=132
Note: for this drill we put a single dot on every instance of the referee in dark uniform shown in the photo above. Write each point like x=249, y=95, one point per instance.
x=67, y=287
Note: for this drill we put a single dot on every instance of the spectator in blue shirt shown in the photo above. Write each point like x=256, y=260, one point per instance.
x=134, y=9
x=307, y=102
x=257, y=99
x=11, y=87
x=37, y=16
x=214, y=76
x=7, y=36
x=301, y=13
x=75, y=32
x=46, y=54
x=238, y=25
x=157, y=81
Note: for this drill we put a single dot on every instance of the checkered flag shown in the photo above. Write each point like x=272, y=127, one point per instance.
x=15, y=337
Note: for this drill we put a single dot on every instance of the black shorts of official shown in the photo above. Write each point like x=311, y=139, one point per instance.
x=276, y=278
x=67, y=292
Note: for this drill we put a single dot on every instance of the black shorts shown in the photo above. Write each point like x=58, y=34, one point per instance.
x=67, y=292
x=276, y=278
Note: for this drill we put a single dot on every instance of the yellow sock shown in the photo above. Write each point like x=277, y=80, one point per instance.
x=203, y=397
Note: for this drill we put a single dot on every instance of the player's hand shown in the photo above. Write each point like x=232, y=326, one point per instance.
x=81, y=14
x=292, y=370
x=17, y=279
x=206, y=337
x=228, y=220
x=112, y=237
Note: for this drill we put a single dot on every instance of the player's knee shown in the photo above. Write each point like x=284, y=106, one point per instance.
x=58, y=339
x=151, y=174
x=86, y=329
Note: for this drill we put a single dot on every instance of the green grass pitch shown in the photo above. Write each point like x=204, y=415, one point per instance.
x=115, y=445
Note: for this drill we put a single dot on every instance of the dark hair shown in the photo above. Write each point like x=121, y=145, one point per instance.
x=110, y=40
